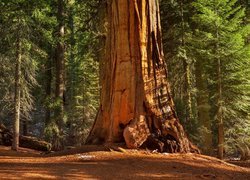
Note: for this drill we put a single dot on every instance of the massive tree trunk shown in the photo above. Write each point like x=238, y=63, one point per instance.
x=136, y=105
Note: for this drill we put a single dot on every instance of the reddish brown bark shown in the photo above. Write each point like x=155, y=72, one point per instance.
x=135, y=93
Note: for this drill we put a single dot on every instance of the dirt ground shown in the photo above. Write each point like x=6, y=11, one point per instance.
x=94, y=163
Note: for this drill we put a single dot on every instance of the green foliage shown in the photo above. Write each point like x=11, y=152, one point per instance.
x=83, y=69
x=195, y=34
x=199, y=33
x=177, y=35
x=221, y=35
x=36, y=24
x=15, y=24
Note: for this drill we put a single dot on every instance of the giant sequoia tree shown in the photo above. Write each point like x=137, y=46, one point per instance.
x=136, y=105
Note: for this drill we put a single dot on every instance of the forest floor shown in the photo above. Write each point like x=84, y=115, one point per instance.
x=92, y=162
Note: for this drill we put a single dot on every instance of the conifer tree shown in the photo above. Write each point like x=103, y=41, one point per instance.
x=222, y=34
x=18, y=39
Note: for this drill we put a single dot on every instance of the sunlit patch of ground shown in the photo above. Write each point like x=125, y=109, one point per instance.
x=84, y=164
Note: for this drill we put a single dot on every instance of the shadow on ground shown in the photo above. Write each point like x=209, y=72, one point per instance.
x=114, y=165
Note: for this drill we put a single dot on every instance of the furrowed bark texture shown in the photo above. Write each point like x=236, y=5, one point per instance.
x=136, y=106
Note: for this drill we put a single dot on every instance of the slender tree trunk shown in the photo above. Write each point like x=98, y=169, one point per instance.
x=188, y=88
x=219, y=103
x=71, y=88
x=48, y=88
x=219, y=114
x=16, y=124
x=136, y=105
x=59, y=90
x=187, y=71
x=203, y=108
x=72, y=56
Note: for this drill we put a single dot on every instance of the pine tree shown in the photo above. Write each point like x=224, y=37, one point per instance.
x=221, y=40
x=18, y=39
x=82, y=68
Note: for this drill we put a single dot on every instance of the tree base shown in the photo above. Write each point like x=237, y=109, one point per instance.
x=170, y=138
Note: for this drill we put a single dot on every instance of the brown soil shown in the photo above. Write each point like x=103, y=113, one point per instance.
x=92, y=162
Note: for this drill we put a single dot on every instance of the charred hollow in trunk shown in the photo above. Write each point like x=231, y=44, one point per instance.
x=136, y=105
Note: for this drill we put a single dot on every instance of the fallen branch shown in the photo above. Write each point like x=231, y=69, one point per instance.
x=24, y=141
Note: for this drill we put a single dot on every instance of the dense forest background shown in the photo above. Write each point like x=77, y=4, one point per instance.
x=51, y=53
